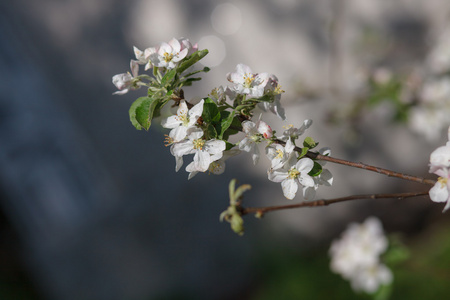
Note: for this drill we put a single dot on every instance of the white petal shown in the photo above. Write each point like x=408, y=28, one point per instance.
x=178, y=133
x=202, y=159
x=277, y=175
x=290, y=188
x=138, y=53
x=326, y=178
x=246, y=145
x=180, y=55
x=192, y=174
x=171, y=122
x=183, y=148
x=289, y=146
x=306, y=180
x=134, y=66
x=194, y=133
x=215, y=146
x=255, y=155
x=175, y=44
x=249, y=127
x=304, y=165
x=439, y=192
x=195, y=112
x=309, y=193
x=182, y=109
x=243, y=69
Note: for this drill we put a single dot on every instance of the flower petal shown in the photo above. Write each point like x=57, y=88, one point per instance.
x=202, y=159
x=290, y=188
x=304, y=165
x=439, y=192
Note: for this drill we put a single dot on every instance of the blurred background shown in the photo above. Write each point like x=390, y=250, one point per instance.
x=91, y=208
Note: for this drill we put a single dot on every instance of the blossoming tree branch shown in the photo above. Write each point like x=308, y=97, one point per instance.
x=204, y=129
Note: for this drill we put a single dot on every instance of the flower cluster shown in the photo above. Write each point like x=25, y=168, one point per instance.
x=356, y=256
x=165, y=55
x=440, y=165
x=432, y=114
x=203, y=130
x=291, y=170
x=187, y=138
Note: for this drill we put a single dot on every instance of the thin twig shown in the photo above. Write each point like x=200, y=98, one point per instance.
x=359, y=165
x=324, y=202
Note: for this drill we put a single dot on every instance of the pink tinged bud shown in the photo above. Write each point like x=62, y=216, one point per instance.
x=265, y=129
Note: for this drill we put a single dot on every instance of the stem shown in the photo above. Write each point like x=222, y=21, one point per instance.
x=359, y=165
x=324, y=202
x=314, y=155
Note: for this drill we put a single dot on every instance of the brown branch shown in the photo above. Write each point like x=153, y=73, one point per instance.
x=324, y=202
x=314, y=155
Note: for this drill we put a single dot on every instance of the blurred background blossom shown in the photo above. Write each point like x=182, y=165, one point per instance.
x=92, y=208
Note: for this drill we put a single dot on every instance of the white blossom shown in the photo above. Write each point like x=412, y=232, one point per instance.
x=356, y=256
x=325, y=178
x=143, y=57
x=440, y=192
x=125, y=82
x=205, y=151
x=291, y=175
x=279, y=154
x=184, y=120
x=217, y=167
x=246, y=82
x=254, y=133
x=370, y=278
x=293, y=133
x=186, y=44
x=273, y=90
x=440, y=165
x=169, y=54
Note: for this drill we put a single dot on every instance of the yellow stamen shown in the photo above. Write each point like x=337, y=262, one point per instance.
x=182, y=116
x=279, y=153
x=293, y=173
x=248, y=79
x=198, y=144
x=278, y=90
x=167, y=57
x=443, y=181
x=168, y=140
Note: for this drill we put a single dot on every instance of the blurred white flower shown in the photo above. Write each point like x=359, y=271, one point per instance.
x=440, y=165
x=356, y=256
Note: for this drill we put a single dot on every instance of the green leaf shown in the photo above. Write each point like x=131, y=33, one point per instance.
x=316, y=170
x=235, y=127
x=310, y=143
x=189, y=81
x=229, y=146
x=266, y=98
x=191, y=60
x=210, y=113
x=227, y=120
x=141, y=112
x=304, y=151
x=211, y=132
x=168, y=77
x=205, y=69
